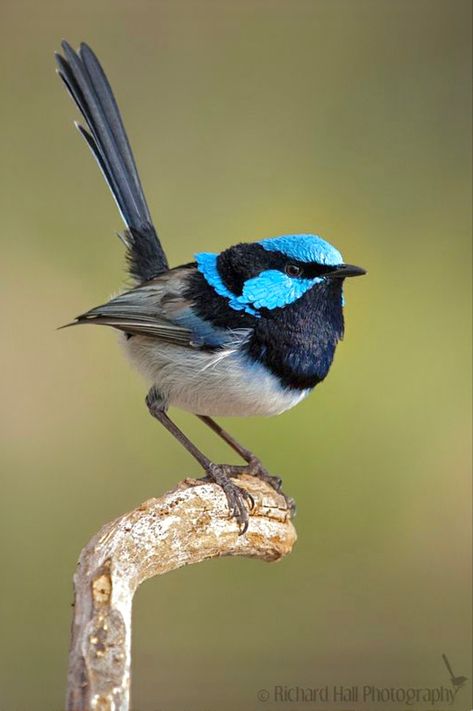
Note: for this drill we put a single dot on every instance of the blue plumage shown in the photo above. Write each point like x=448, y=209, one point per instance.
x=204, y=333
x=249, y=331
x=272, y=288
x=207, y=265
x=305, y=248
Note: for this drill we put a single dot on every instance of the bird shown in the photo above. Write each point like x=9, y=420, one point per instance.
x=456, y=681
x=251, y=330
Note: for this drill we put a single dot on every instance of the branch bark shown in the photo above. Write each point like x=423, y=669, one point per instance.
x=186, y=525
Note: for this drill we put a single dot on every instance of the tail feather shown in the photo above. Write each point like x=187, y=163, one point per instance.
x=88, y=85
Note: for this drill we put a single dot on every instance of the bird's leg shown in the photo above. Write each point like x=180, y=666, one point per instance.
x=255, y=467
x=219, y=473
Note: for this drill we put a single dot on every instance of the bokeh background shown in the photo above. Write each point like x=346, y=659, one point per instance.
x=350, y=118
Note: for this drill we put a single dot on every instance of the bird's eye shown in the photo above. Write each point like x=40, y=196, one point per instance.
x=293, y=270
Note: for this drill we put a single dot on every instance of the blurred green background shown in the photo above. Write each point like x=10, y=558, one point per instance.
x=248, y=119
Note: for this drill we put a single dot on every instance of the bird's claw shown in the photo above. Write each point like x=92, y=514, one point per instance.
x=256, y=469
x=240, y=501
x=290, y=504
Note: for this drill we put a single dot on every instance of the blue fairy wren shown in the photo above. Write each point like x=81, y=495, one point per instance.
x=249, y=331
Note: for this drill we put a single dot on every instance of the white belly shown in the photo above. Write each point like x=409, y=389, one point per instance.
x=215, y=384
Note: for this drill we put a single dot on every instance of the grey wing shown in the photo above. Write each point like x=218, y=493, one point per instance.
x=157, y=308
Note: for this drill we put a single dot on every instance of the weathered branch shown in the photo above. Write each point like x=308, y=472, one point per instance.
x=186, y=525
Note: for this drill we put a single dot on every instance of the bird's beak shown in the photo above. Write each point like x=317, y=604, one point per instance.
x=346, y=270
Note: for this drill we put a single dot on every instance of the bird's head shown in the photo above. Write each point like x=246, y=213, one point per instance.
x=274, y=272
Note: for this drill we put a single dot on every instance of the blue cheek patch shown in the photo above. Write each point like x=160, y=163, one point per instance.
x=269, y=290
x=273, y=289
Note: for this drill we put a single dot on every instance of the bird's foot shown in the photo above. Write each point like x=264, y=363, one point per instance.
x=255, y=468
x=239, y=499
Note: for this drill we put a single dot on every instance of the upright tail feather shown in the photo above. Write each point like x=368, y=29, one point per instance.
x=88, y=85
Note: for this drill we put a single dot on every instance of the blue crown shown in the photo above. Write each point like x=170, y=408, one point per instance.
x=304, y=248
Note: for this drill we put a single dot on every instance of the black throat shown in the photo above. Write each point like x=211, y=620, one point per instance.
x=296, y=343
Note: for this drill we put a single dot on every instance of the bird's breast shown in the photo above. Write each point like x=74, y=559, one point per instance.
x=297, y=342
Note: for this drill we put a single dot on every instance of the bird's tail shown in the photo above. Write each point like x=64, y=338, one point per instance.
x=89, y=87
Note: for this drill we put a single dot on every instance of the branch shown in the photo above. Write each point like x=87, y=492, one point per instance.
x=186, y=525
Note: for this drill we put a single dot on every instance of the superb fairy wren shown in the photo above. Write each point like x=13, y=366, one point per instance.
x=249, y=331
